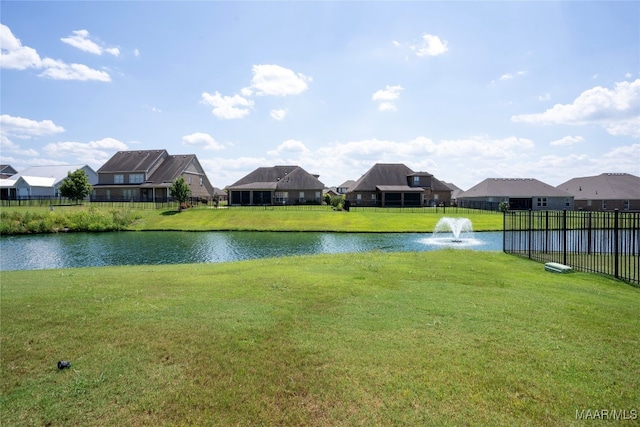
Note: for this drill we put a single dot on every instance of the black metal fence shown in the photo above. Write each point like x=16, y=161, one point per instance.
x=35, y=201
x=599, y=242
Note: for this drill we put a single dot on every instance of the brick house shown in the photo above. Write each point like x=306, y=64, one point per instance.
x=146, y=175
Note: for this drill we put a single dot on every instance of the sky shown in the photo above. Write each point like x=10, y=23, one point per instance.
x=462, y=90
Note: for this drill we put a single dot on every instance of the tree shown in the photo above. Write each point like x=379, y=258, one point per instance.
x=180, y=190
x=76, y=186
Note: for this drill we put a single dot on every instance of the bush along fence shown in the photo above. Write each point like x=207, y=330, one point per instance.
x=599, y=242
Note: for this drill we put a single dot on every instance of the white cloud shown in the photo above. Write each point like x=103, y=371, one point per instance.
x=94, y=153
x=18, y=57
x=509, y=76
x=544, y=97
x=276, y=80
x=510, y=157
x=430, y=46
x=267, y=80
x=387, y=96
x=136, y=52
x=615, y=109
x=567, y=140
x=203, y=139
x=81, y=40
x=629, y=152
x=58, y=70
x=26, y=128
x=289, y=147
x=227, y=107
x=15, y=56
x=7, y=146
x=279, y=114
x=421, y=146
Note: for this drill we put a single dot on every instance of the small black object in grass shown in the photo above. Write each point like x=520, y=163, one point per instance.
x=64, y=364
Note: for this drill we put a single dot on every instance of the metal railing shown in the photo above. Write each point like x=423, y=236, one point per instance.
x=599, y=242
x=130, y=203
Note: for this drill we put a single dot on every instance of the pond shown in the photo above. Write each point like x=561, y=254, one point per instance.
x=70, y=250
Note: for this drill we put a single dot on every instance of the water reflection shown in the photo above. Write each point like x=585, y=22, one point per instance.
x=67, y=250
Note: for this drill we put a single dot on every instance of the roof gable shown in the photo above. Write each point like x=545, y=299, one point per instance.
x=171, y=168
x=7, y=170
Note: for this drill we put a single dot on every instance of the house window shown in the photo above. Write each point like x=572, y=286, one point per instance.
x=108, y=194
x=416, y=180
x=318, y=196
x=626, y=205
x=604, y=204
x=588, y=202
x=567, y=202
x=200, y=181
x=130, y=193
x=359, y=199
x=189, y=179
x=281, y=197
x=373, y=197
x=542, y=201
x=118, y=179
x=301, y=197
x=136, y=178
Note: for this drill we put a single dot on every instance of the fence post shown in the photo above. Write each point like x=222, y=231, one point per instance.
x=616, y=231
x=529, y=227
x=589, y=234
x=564, y=236
x=546, y=231
x=504, y=231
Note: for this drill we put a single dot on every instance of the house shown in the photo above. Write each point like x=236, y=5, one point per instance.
x=455, y=192
x=146, y=175
x=277, y=185
x=607, y=191
x=41, y=181
x=6, y=171
x=520, y=193
x=394, y=184
x=220, y=195
x=344, y=187
x=331, y=191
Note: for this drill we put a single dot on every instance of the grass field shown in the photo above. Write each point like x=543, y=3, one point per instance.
x=438, y=338
x=281, y=219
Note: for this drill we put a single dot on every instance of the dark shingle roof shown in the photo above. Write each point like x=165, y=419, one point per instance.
x=382, y=174
x=347, y=184
x=171, y=168
x=513, y=187
x=389, y=175
x=279, y=177
x=606, y=186
x=132, y=161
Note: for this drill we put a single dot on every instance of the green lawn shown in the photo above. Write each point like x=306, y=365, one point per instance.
x=371, y=220
x=93, y=217
x=434, y=338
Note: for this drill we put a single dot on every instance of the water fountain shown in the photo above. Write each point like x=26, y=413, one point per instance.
x=457, y=232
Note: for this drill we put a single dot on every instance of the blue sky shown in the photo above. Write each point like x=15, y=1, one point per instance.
x=463, y=90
